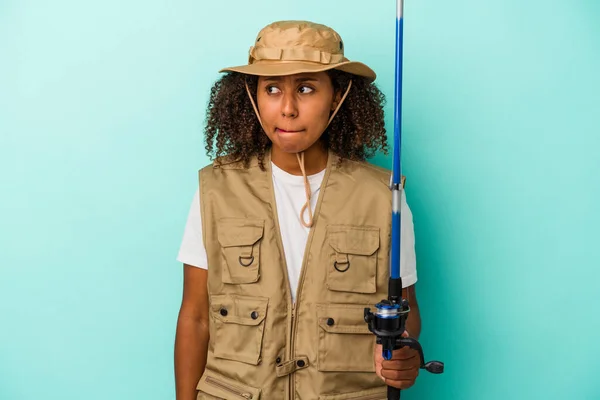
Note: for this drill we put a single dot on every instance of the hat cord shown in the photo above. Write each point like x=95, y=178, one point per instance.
x=307, y=191
x=300, y=156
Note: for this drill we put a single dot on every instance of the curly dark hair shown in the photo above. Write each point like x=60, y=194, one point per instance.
x=232, y=129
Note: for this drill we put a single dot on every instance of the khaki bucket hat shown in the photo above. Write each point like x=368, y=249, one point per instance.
x=293, y=47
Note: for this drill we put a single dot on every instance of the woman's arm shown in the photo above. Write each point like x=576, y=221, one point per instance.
x=191, y=339
x=413, y=322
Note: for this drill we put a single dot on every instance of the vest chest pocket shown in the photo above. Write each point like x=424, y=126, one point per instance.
x=353, y=259
x=345, y=342
x=240, y=240
x=239, y=323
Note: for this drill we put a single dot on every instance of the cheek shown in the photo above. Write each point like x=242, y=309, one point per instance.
x=319, y=114
x=266, y=108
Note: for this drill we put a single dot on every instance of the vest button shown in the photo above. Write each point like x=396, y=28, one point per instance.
x=300, y=363
x=254, y=315
x=330, y=321
x=223, y=311
x=278, y=360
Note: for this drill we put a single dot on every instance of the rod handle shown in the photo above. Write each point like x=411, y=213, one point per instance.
x=393, y=393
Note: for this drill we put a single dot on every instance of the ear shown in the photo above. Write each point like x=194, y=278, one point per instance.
x=337, y=97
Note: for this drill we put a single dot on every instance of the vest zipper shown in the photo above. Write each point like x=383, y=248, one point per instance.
x=292, y=383
x=292, y=390
x=293, y=312
x=303, y=270
x=228, y=388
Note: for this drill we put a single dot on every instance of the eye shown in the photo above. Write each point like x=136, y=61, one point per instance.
x=305, y=89
x=272, y=89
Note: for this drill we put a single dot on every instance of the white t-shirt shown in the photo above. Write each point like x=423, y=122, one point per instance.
x=290, y=196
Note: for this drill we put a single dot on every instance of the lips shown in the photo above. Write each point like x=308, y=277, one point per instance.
x=287, y=131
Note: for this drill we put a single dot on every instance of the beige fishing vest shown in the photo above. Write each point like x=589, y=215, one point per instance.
x=263, y=346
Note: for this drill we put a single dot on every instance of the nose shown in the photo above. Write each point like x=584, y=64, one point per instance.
x=289, y=107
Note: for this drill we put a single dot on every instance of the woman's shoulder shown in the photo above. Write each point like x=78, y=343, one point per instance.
x=231, y=161
x=367, y=171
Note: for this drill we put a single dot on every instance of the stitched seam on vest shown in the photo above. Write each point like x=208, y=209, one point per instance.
x=202, y=205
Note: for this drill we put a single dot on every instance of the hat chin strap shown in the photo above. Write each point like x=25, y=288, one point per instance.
x=300, y=156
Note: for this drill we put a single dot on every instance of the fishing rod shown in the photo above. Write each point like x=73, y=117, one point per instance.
x=388, y=322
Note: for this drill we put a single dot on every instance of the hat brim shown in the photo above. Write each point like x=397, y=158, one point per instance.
x=282, y=68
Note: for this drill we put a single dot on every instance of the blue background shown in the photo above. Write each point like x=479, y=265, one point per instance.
x=101, y=115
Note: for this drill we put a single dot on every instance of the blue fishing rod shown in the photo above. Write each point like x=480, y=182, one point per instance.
x=388, y=322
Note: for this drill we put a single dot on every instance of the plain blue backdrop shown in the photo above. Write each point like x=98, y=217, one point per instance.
x=101, y=115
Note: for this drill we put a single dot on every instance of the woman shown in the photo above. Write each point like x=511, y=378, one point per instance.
x=288, y=236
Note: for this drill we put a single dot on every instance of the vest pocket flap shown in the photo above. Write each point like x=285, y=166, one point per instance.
x=359, y=240
x=343, y=318
x=239, y=231
x=369, y=394
x=237, y=309
x=342, y=327
x=225, y=388
x=237, y=326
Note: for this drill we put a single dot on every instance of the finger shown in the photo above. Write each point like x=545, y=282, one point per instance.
x=396, y=375
x=378, y=353
x=378, y=358
x=399, y=384
x=405, y=334
x=401, y=365
x=378, y=369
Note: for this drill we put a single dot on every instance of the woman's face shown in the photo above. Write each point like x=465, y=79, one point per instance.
x=295, y=109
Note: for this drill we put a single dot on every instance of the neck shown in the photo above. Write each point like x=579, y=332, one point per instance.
x=315, y=160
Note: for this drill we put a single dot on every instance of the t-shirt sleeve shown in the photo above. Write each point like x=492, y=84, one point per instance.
x=408, y=258
x=192, y=250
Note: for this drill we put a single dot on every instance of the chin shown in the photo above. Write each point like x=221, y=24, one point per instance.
x=290, y=147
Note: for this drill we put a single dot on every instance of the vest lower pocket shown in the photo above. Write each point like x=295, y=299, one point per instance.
x=240, y=248
x=216, y=386
x=238, y=327
x=370, y=394
x=353, y=259
x=345, y=342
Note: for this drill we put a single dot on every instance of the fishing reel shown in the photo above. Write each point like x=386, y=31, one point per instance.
x=388, y=322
